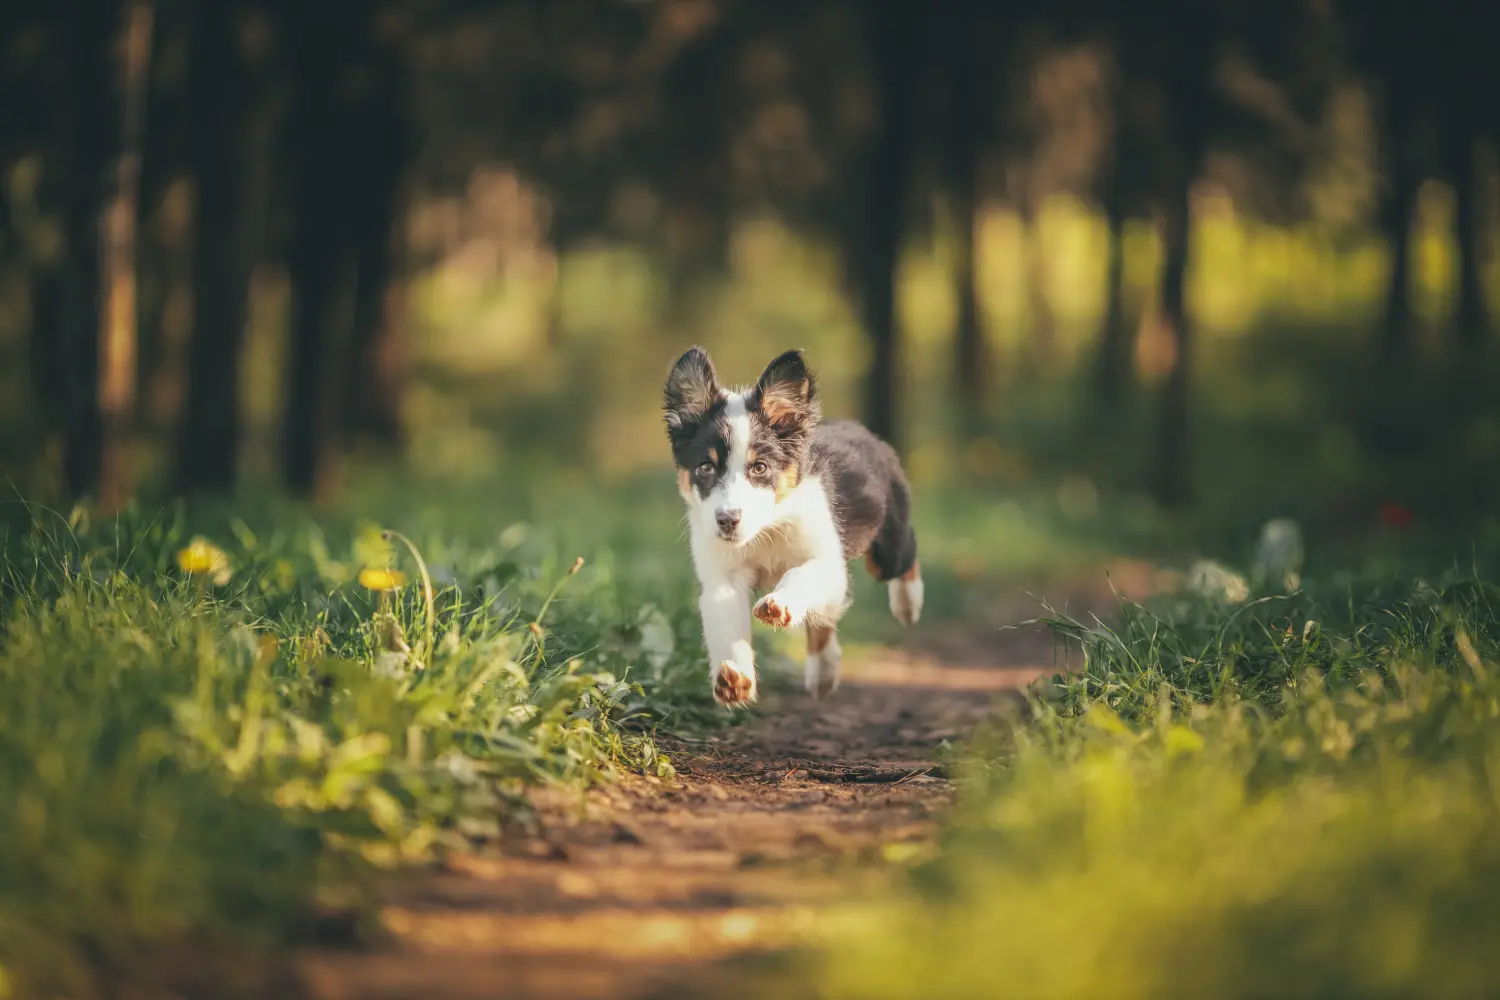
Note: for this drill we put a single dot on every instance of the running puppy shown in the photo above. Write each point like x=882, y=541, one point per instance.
x=777, y=500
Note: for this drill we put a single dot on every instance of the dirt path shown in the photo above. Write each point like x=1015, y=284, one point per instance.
x=632, y=894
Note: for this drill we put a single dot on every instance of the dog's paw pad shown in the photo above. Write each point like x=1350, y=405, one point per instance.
x=732, y=688
x=771, y=611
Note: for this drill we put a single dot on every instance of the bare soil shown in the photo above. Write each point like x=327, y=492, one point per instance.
x=646, y=888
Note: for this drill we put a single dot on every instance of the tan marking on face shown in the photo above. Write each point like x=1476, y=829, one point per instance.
x=787, y=480
x=914, y=574
x=713, y=455
x=818, y=637
x=684, y=482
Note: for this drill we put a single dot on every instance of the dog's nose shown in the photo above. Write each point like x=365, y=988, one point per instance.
x=728, y=521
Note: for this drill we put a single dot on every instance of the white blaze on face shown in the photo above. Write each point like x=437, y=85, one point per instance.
x=734, y=491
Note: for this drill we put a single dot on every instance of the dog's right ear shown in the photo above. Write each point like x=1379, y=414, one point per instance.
x=691, y=389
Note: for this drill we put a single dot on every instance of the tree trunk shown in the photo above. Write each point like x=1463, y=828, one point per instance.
x=377, y=362
x=1471, y=321
x=1042, y=349
x=1116, y=344
x=163, y=257
x=45, y=278
x=45, y=361
x=88, y=29
x=1398, y=210
x=1172, y=479
x=891, y=26
x=320, y=270
x=232, y=201
x=119, y=324
x=377, y=352
x=971, y=357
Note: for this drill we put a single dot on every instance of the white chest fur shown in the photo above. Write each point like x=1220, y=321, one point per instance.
x=797, y=554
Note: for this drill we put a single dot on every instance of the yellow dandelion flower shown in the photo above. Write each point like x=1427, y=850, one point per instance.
x=381, y=579
x=203, y=558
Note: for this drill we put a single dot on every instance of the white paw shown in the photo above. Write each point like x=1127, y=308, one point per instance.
x=906, y=599
x=821, y=675
x=777, y=611
x=734, y=685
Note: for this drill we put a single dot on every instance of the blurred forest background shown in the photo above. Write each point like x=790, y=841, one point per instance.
x=1231, y=256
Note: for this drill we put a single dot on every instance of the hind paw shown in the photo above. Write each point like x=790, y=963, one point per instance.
x=906, y=598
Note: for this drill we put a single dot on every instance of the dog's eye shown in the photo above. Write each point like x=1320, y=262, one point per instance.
x=759, y=468
x=705, y=468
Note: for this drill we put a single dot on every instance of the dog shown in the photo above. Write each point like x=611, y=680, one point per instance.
x=778, y=499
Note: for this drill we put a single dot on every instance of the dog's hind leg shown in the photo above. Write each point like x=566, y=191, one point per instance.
x=892, y=558
x=823, y=659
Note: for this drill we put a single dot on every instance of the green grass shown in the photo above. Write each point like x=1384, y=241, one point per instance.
x=1289, y=797
x=201, y=766
x=191, y=761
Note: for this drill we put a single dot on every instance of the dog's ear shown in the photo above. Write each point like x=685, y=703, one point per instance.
x=788, y=393
x=692, y=388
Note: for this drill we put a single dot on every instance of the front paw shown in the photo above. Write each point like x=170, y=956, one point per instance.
x=775, y=611
x=734, y=686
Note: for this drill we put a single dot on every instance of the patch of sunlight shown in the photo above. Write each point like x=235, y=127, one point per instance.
x=1000, y=269
x=783, y=291
x=626, y=441
x=927, y=303
x=1434, y=256
x=444, y=438
x=929, y=463
x=604, y=289
x=1224, y=294
x=623, y=931
x=1075, y=241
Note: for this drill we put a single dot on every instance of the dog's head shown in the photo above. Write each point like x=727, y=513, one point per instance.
x=739, y=453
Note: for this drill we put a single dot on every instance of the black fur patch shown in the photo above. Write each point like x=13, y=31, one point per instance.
x=871, y=499
x=694, y=407
x=692, y=392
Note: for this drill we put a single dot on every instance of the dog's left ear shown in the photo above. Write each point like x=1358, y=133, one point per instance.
x=788, y=393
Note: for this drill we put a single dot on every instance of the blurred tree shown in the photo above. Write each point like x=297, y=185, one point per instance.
x=1431, y=70
x=33, y=143
x=384, y=146
x=1170, y=51
x=968, y=105
x=1122, y=188
x=350, y=143
x=1471, y=321
x=164, y=251
x=319, y=268
x=1385, y=38
x=1465, y=73
x=891, y=26
x=1193, y=79
x=230, y=115
x=87, y=144
x=120, y=321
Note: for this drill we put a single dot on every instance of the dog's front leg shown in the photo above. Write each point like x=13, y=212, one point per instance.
x=816, y=589
x=725, y=607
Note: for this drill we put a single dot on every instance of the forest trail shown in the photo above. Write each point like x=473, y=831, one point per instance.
x=647, y=887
